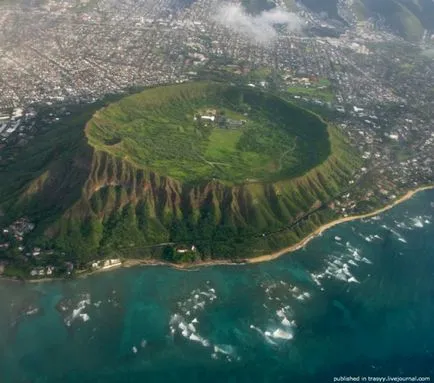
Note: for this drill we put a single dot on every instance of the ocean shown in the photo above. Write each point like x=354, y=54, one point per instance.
x=355, y=303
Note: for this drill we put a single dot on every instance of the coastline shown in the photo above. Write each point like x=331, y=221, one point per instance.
x=286, y=250
x=321, y=229
x=127, y=263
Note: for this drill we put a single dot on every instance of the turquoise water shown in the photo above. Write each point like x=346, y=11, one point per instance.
x=359, y=301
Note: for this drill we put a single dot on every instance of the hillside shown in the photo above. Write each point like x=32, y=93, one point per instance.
x=194, y=133
x=128, y=182
x=407, y=18
x=257, y=6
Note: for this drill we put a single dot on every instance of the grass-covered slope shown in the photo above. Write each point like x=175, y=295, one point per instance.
x=407, y=18
x=403, y=16
x=270, y=139
x=257, y=6
x=92, y=196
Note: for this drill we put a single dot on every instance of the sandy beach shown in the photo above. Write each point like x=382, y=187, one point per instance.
x=286, y=250
x=321, y=229
x=262, y=258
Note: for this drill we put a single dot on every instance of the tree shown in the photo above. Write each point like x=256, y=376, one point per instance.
x=168, y=254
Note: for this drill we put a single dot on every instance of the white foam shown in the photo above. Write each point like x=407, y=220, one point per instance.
x=266, y=335
x=84, y=317
x=195, y=338
x=175, y=318
x=77, y=312
x=417, y=222
x=225, y=349
x=395, y=233
x=280, y=313
x=316, y=278
x=341, y=275
x=285, y=322
x=402, y=239
x=353, y=280
x=354, y=252
x=32, y=311
x=183, y=324
x=280, y=334
x=338, y=262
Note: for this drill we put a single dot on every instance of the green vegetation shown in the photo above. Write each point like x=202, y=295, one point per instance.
x=408, y=18
x=136, y=182
x=40, y=166
x=322, y=92
x=257, y=6
x=155, y=129
x=359, y=10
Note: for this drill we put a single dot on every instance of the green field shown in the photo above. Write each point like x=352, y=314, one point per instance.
x=141, y=172
x=323, y=92
x=157, y=130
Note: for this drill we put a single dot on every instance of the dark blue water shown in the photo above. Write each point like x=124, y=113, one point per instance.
x=358, y=301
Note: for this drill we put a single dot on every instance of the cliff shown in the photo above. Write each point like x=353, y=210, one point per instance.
x=90, y=202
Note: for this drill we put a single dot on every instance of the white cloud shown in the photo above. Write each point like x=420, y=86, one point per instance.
x=260, y=28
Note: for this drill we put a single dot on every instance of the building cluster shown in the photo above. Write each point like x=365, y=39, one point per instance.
x=375, y=87
x=42, y=271
x=19, y=229
x=397, y=146
x=64, y=51
x=106, y=264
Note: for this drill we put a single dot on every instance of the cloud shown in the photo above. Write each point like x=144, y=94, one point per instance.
x=260, y=28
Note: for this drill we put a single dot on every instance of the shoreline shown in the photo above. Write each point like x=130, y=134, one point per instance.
x=277, y=254
x=128, y=263
x=321, y=229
